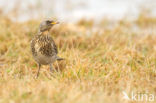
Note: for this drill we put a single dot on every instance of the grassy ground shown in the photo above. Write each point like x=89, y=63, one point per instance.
x=102, y=60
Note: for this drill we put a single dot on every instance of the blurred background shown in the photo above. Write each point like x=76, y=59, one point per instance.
x=72, y=10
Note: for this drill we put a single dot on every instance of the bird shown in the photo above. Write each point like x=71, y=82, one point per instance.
x=43, y=47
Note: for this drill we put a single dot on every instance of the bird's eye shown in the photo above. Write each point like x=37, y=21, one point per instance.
x=48, y=22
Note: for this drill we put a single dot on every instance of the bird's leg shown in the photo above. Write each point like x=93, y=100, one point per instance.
x=51, y=68
x=38, y=72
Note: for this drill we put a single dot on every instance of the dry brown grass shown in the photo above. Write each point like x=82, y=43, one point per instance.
x=100, y=63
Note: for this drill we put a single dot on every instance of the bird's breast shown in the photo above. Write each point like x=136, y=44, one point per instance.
x=43, y=49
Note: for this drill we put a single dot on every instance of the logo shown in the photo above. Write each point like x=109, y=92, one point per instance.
x=139, y=96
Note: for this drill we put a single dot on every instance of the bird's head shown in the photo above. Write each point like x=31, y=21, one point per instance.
x=47, y=25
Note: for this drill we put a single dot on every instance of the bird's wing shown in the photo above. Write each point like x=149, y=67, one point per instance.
x=54, y=47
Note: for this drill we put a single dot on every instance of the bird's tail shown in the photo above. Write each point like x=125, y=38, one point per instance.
x=59, y=59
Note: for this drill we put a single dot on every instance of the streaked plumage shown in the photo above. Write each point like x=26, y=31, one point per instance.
x=43, y=46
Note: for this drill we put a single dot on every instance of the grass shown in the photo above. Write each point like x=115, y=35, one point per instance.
x=102, y=60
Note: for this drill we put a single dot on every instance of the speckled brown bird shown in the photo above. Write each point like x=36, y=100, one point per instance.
x=43, y=46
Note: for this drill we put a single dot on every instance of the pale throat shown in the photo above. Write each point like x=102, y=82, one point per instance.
x=45, y=32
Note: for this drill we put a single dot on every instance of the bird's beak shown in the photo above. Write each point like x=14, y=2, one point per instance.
x=53, y=22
